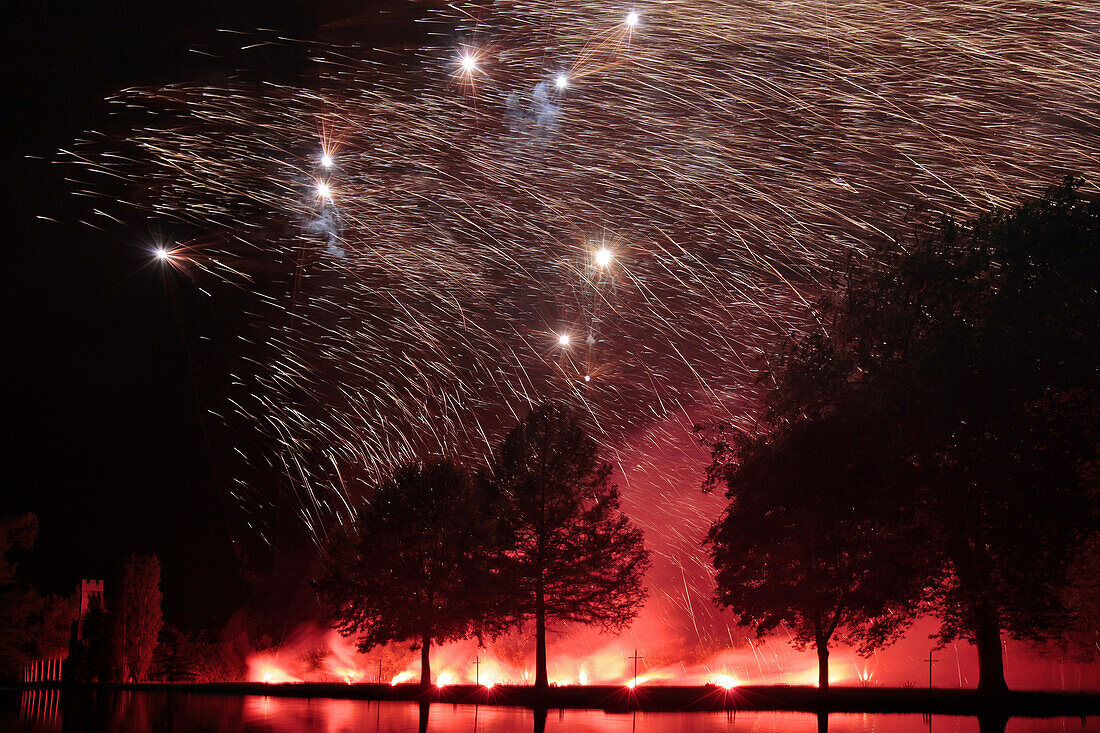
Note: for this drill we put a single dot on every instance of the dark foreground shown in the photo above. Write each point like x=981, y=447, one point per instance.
x=665, y=698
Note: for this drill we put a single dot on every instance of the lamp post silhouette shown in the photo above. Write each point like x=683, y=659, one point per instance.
x=930, y=660
x=635, y=658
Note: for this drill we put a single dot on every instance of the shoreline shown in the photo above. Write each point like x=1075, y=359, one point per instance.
x=655, y=698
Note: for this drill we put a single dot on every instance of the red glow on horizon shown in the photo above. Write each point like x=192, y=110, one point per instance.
x=583, y=656
x=265, y=669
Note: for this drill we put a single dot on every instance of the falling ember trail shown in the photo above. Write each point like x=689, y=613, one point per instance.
x=623, y=208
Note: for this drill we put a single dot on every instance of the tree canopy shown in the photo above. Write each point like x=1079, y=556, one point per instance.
x=32, y=626
x=136, y=618
x=984, y=336
x=418, y=562
x=574, y=556
x=810, y=542
x=18, y=604
x=973, y=355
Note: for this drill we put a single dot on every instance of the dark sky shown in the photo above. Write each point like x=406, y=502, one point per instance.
x=105, y=442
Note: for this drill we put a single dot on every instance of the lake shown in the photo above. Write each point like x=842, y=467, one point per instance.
x=183, y=712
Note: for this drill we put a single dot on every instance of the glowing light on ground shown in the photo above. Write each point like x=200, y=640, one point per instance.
x=326, y=160
x=632, y=19
x=725, y=681
x=562, y=81
x=162, y=254
x=603, y=257
x=349, y=675
x=323, y=190
x=468, y=64
x=444, y=679
x=268, y=671
x=572, y=663
x=563, y=339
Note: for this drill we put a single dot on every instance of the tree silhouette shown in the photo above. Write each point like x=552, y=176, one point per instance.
x=810, y=542
x=417, y=563
x=32, y=626
x=976, y=346
x=984, y=337
x=137, y=618
x=18, y=604
x=575, y=557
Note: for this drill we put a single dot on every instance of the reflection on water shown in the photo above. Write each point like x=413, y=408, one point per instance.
x=43, y=707
x=178, y=712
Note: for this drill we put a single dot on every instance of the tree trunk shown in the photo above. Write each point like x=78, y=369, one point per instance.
x=821, y=641
x=987, y=637
x=425, y=664
x=542, y=680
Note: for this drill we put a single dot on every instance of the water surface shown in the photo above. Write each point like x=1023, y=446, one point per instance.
x=182, y=712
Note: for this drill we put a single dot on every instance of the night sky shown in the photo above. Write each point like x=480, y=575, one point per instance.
x=105, y=441
x=724, y=195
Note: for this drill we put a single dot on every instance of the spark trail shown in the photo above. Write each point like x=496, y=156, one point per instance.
x=622, y=206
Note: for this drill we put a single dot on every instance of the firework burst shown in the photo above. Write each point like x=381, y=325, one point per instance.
x=624, y=207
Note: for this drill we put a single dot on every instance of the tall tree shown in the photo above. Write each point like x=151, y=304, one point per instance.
x=1082, y=597
x=984, y=335
x=979, y=341
x=418, y=562
x=576, y=557
x=137, y=618
x=32, y=626
x=810, y=541
x=18, y=604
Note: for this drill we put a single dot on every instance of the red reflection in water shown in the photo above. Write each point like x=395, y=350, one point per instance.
x=134, y=712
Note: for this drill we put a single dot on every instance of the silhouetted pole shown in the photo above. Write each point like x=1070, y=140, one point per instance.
x=379, y=671
x=636, y=658
x=930, y=660
x=477, y=670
